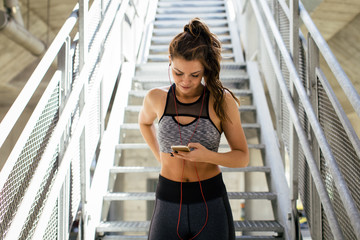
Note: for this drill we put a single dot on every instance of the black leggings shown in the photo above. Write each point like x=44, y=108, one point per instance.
x=220, y=224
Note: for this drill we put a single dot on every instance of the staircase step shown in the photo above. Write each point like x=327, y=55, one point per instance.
x=258, y=226
x=123, y=237
x=163, y=4
x=165, y=57
x=122, y=196
x=144, y=237
x=137, y=169
x=121, y=226
x=163, y=49
x=181, y=23
x=257, y=237
x=190, y=9
x=173, y=31
x=167, y=39
x=186, y=16
x=126, y=146
x=155, y=67
x=143, y=226
x=190, y=1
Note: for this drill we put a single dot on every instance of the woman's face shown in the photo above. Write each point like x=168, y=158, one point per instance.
x=187, y=75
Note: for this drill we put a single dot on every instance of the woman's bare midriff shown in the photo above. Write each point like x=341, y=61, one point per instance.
x=171, y=168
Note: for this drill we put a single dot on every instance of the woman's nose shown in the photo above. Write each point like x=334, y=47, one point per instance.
x=186, y=78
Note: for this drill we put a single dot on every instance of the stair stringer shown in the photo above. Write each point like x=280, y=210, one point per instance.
x=272, y=157
x=102, y=176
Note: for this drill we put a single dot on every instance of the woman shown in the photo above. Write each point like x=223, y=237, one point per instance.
x=191, y=198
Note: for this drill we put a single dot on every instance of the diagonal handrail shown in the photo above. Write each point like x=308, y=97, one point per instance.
x=329, y=57
x=340, y=183
x=31, y=85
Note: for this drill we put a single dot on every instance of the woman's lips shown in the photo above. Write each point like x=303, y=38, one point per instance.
x=185, y=87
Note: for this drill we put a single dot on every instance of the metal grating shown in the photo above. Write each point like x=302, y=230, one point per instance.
x=38, y=204
x=284, y=29
x=304, y=172
x=93, y=119
x=75, y=188
x=94, y=22
x=347, y=160
x=20, y=176
x=51, y=231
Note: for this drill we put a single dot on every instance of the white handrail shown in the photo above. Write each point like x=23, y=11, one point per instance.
x=331, y=60
x=340, y=183
x=295, y=119
x=31, y=85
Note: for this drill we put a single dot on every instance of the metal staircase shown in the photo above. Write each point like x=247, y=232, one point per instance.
x=127, y=207
x=74, y=165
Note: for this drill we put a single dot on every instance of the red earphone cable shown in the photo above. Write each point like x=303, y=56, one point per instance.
x=182, y=173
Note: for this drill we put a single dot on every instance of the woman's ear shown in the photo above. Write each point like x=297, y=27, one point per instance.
x=169, y=60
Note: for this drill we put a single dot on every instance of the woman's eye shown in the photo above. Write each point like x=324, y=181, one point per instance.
x=178, y=74
x=195, y=76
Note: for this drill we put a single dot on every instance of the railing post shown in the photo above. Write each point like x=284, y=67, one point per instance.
x=312, y=64
x=294, y=141
x=64, y=65
x=83, y=52
x=83, y=40
x=278, y=96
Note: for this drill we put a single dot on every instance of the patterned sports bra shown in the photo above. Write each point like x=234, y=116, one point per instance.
x=206, y=133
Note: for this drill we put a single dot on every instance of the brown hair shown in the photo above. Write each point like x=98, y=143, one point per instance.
x=196, y=42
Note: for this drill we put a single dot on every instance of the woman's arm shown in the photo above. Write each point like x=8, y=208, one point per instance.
x=146, y=121
x=238, y=156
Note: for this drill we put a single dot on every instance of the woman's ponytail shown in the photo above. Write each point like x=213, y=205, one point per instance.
x=197, y=42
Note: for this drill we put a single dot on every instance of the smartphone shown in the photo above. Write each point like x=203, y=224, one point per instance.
x=182, y=148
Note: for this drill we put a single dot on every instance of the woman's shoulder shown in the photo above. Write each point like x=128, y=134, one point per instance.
x=156, y=96
x=230, y=98
x=156, y=93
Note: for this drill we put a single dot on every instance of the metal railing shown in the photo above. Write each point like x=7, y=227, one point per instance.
x=55, y=171
x=46, y=181
x=314, y=132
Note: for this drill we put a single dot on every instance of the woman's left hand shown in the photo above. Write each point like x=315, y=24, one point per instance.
x=198, y=153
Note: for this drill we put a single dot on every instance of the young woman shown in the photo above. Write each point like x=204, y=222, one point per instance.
x=191, y=198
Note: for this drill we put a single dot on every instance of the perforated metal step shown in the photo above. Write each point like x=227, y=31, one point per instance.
x=258, y=226
x=154, y=67
x=122, y=196
x=180, y=23
x=190, y=4
x=143, y=226
x=191, y=9
x=122, y=237
x=186, y=16
x=167, y=39
x=173, y=31
x=138, y=169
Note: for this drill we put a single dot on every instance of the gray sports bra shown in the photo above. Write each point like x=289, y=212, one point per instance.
x=206, y=133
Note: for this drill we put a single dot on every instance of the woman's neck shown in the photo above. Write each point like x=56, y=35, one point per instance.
x=189, y=97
